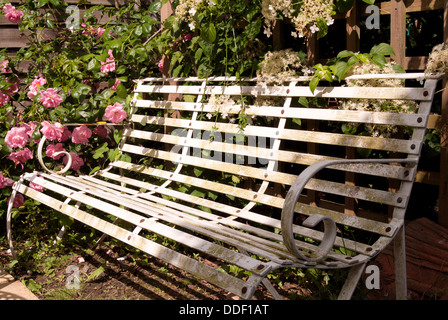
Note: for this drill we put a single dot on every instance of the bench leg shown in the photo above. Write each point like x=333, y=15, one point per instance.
x=265, y=281
x=271, y=289
x=8, y=224
x=351, y=282
x=9, y=217
x=400, y=265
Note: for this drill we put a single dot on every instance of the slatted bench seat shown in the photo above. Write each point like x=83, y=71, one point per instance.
x=260, y=185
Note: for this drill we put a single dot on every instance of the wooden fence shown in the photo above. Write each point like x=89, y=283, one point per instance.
x=397, y=10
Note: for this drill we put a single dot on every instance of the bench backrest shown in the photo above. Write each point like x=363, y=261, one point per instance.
x=231, y=149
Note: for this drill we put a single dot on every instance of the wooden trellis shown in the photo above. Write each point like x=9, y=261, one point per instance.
x=398, y=9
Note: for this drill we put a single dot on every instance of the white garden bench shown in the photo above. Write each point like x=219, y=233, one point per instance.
x=269, y=197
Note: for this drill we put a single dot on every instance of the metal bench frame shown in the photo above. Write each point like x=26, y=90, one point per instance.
x=236, y=234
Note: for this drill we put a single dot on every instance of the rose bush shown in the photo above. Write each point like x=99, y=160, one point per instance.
x=77, y=68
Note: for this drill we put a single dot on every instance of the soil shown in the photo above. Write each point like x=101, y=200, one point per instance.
x=123, y=278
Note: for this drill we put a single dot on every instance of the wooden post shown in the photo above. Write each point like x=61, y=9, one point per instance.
x=352, y=28
x=165, y=12
x=443, y=186
x=398, y=30
x=353, y=44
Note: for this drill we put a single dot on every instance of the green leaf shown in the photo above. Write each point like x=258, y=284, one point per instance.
x=80, y=90
x=121, y=69
x=117, y=136
x=99, y=153
x=253, y=29
x=297, y=121
x=323, y=27
x=94, y=65
x=32, y=285
x=55, y=2
x=197, y=193
x=125, y=158
x=95, y=274
x=344, y=5
x=304, y=102
x=42, y=3
x=383, y=49
x=155, y=7
x=198, y=171
x=398, y=69
x=122, y=91
x=177, y=70
x=147, y=28
x=138, y=30
x=114, y=154
x=204, y=71
x=208, y=33
x=339, y=69
x=345, y=54
x=114, y=44
x=97, y=168
x=379, y=60
x=198, y=55
x=314, y=82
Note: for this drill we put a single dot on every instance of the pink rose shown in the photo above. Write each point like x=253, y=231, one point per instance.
x=52, y=131
x=109, y=65
x=4, y=99
x=19, y=201
x=50, y=98
x=99, y=32
x=52, y=149
x=100, y=131
x=115, y=113
x=37, y=82
x=16, y=137
x=5, y=182
x=4, y=65
x=161, y=65
x=30, y=127
x=187, y=37
x=36, y=187
x=81, y=134
x=13, y=87
x=66, y=135
x=12, y=14
x=114, y=87
x=20, y=157
x=77, y=161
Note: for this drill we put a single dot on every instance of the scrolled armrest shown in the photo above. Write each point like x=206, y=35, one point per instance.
x=292, y=198
x=41, y=161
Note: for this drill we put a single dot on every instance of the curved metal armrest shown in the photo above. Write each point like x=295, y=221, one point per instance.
x=292, y=198
x=41, y=161
x=70, y=160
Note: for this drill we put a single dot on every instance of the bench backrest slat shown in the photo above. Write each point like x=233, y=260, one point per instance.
x=385, y=118
x=303, y=91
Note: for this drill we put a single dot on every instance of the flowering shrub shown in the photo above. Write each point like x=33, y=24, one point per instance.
x=438, y=59
x=307, y=16
x=80, y=73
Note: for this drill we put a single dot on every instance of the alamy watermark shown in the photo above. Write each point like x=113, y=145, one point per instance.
x=373, y=21
x=228, y=147
x=73, y=21
x=373, y=278
x=73, y=280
